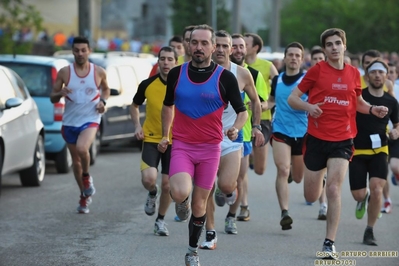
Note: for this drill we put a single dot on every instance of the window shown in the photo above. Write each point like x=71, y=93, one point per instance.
x=37, y=78
x=7, y=90
x=113, y=78
x=21, y=87
x=128, y=78
x=18, y=84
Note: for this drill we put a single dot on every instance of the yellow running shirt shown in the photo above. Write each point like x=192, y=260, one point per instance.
x=263, y=66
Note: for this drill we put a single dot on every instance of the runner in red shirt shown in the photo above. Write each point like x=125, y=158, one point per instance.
x=334, y=97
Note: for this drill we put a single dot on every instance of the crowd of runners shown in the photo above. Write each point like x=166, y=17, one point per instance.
x=214, y=108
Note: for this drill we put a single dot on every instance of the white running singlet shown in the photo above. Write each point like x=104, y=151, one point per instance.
x=229, y=115
x=80, y=104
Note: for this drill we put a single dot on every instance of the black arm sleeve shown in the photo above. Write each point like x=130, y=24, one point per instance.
x=394, y=117
x=273, y=86
x=139, y=97
x=230, y=91
x=171, y=83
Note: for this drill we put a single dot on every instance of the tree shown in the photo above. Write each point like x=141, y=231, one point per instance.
x=194, y=12
x=16, y=15
x=368, y=24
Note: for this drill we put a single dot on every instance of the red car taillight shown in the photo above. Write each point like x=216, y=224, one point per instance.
x=58, y=107
x=58, y=111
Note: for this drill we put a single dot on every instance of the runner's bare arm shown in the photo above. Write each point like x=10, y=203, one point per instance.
x=59, y=90
x=105, y=91
x=167, y=117
x=295, y=101
x=389, y=85
x=271, y=102
x=365, y=108
x=252, y=94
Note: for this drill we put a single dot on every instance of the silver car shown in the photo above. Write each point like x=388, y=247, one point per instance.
x=21, y=131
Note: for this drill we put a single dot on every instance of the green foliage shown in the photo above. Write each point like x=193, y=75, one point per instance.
x=15, y=16
x=368, y=24
x=194, y=12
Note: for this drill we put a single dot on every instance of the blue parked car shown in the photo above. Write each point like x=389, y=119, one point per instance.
x=39, y=74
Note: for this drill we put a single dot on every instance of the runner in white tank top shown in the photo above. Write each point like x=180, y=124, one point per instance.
x=231, y=151
x=80, y=104
x=80, y=83
x=229, y=115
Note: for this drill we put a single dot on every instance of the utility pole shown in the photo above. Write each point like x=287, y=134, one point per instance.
x=236, y=21
x=214, y=15
x=275, y=26
x=84, y=17
x=211, y=13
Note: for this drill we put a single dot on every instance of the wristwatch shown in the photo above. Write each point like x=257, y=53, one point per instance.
x=104, y=101
x=259, y=127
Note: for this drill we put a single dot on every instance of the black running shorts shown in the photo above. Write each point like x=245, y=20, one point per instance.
x=150, y=157
x=393, y=148
x=316, y=152
x=294, y=143
x=375, y=165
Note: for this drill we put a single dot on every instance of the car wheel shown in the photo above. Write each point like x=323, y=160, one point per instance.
x=63, y=161
x=95, y=148
x=34, y=175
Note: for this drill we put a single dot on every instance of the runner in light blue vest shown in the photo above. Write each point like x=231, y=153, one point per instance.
x=288, y=127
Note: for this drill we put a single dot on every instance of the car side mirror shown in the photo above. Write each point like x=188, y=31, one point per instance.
x=114, y=92
x=13, y=102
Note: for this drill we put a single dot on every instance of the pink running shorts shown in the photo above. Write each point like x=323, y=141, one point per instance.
x=200, y=161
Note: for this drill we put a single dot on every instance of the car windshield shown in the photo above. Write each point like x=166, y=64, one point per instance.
x=37, y=78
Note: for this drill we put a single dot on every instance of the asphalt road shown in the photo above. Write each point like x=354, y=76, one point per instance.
x=40, y=226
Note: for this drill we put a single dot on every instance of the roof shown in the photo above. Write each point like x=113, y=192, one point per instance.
x=34, y=59
x=270, y=56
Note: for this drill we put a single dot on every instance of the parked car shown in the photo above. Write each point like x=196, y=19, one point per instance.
x=39, y=74
x=21, y=131
x=125, y=71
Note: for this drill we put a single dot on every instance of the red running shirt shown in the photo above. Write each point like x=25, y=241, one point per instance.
x=338, y=90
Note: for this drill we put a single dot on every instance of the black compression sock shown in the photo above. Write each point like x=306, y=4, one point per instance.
x=194, y=229
x=160, y=217
x=328, y=242
x=229, y=214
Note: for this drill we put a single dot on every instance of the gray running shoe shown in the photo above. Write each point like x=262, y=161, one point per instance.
x=88, y=187
x=322, y=213
x=231, y=199
x=286, y=221
x=230, y=226
x=84, y=203
x=244, y=214
x=219, y=198
x=192, y=259
x=183, y=209
x=329, y=252
x=160, y=228
x=151, y=203
x=368, y=238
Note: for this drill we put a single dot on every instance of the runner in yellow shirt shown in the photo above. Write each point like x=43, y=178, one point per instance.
x=254, y=44
x=152, y=90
